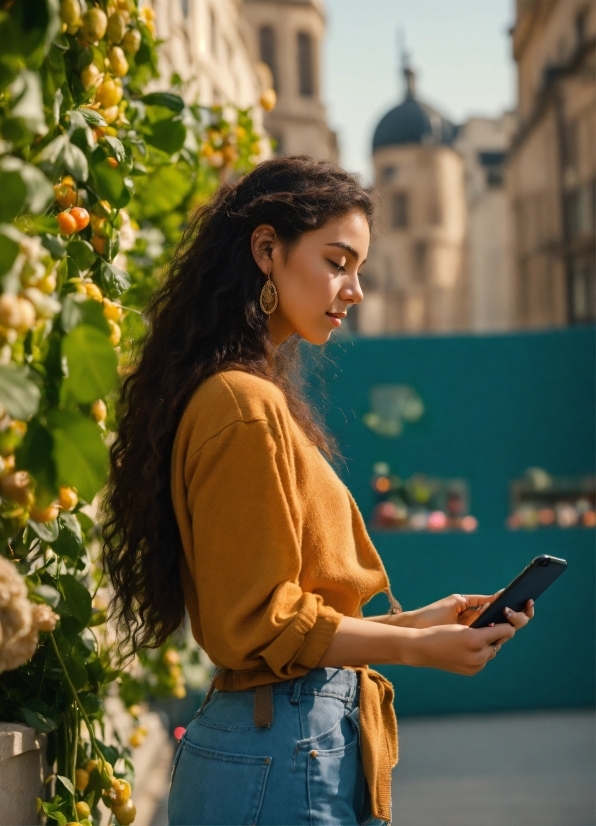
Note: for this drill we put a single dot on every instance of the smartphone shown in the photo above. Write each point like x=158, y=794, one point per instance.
x=533, y=581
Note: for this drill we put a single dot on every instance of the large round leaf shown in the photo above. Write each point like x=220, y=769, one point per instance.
x=79, y=452
x=19, y=395
x=91, y=364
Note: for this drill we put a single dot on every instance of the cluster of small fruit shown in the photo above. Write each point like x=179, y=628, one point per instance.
x=118, y=30
x=116, y=792
x=31, y=304
x=75, y=219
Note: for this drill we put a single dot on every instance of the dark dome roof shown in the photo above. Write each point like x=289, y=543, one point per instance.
x=413, y=122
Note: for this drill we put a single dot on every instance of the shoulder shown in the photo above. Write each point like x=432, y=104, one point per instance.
x=227, y=398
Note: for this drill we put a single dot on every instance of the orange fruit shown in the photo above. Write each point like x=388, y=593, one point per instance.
x=115, y=333
x=125, y=813
x=119, y=793
x=67, y=223
x=67, y=500
x=99, y=411
x=90, y=76
x=109, y=93
x=81, y=217
x=113, y=162
x=111, y=311
x=82, y=809
x=48, y=514
x=131, y=42
x=268, y=100
x=116, y=27
x=118, y=61
x=94, y=24
x=99, y=244
x=93, y=291
x=65, y=193
x=15, y=486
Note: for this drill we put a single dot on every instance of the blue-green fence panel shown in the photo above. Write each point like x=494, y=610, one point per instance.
x=494, y=406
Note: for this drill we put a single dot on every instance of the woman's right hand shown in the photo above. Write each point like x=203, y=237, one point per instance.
x=457, y=648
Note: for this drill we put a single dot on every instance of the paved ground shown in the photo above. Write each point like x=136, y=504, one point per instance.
x=524, y=769
x=521, y=769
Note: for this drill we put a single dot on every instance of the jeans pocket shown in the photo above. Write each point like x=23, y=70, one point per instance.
x=214, y=788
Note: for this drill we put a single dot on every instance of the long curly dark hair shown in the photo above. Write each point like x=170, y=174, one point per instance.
x=203, y=318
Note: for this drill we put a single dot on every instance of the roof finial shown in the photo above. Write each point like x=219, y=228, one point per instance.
x=406, y=67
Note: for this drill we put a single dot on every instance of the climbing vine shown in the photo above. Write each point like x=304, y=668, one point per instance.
x=98, y=169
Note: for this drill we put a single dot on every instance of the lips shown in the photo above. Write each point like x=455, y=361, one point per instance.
x=338, y=315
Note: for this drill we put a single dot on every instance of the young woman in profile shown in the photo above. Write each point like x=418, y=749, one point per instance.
x=221, y=502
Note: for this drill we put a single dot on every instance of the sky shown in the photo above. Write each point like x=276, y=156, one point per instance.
x=460, y=50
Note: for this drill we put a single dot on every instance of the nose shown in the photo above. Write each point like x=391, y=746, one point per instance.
x=351, y=291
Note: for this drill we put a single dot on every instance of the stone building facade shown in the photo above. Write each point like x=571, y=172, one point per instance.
x=483, y=143
x=287, y=36
x=415, y=277
x=551, y=170
x=231, y=51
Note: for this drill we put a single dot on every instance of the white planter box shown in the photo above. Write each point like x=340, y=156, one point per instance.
x=23, y=770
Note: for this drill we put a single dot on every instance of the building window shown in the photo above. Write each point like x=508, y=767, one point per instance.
x=277, y=143
x=306, y=78
x=493, y=166
x=580, y=209
x=388, y=174
x=399, y=210
x=420, y=259
x=185, y=4
x=267, y=52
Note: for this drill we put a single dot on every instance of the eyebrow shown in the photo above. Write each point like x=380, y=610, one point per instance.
x=346, y=247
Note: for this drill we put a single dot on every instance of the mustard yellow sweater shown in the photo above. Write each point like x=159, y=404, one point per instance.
x=275, y=552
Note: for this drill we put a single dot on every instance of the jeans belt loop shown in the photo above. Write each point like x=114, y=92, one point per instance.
x=297, y=689
x=263, y=707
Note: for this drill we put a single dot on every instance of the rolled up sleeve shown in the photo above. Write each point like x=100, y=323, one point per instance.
x=247, y=531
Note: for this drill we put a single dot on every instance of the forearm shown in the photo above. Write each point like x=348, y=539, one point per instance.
x=361, y=642
x=405, y=619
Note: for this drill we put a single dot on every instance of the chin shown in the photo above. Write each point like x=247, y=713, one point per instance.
x=319, y=338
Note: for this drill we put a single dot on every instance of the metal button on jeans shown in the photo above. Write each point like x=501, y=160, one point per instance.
x=313, y=754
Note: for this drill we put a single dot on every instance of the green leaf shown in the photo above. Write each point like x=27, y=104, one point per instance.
x=75, y=161
x=113, y=281
x=66, y=783
x=168, y=135
x=38, y=721
x=26, y=91
x=19, y=395
x=78, y=309
x=69, y=541
x=82, y=253
x=47, y=531
x=167, y=99
x=117, y=148
x=35, y=454
x=37, y=224
x=48, y=594
x=77, y=598
x=14, y=193
x=54, y=246
x=110, y=184
x=92, y=117
x=79, y=452
x=163, y=190
x=91, y=364
x=9, y=249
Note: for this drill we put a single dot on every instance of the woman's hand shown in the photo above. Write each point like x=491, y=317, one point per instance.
x=464, y=650
x=460, y=609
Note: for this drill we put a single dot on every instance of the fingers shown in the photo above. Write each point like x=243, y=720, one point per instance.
x=478, y=601
x=518, y=618
x=529, y=609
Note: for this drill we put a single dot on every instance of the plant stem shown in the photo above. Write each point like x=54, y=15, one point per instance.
x=73, y=776
x=77, y=700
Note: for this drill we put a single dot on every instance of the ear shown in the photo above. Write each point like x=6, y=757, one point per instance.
x=262, y=241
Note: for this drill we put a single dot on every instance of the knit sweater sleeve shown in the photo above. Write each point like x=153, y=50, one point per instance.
x=246, y=528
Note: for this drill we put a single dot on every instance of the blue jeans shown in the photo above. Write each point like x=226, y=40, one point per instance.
x=305, y=770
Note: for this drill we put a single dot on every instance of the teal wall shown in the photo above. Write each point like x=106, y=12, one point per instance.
x=494, y=406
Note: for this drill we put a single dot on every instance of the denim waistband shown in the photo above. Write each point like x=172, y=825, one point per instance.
x=329, y=682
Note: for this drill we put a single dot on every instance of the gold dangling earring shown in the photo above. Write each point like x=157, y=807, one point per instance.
x=268, y=298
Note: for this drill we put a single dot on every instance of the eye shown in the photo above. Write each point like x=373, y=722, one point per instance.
x=338, y=267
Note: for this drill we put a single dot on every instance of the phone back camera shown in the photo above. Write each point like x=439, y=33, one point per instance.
x=544, y=563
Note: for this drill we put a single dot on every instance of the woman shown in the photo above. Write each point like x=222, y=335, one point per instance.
x=221, y=502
